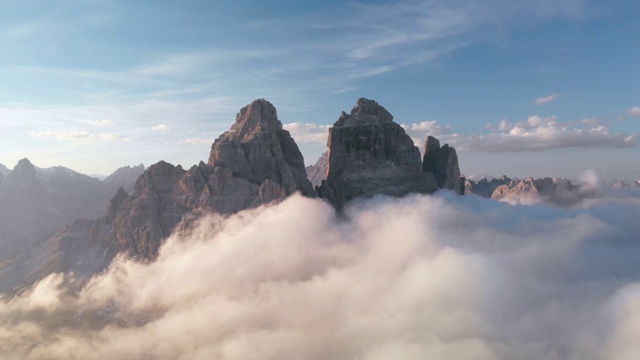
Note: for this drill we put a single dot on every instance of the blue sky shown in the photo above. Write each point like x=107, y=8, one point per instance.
x=544, y=88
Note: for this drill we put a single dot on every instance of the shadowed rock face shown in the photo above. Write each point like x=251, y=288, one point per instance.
x=370, y=154
x=443, y=163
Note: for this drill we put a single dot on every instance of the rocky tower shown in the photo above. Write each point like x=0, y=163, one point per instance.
x=254, y=163
x=443, y=163
x=370, y=154
x=259, y=151
x=318, y=172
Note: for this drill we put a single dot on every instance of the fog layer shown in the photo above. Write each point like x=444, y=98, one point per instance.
x=420, y=277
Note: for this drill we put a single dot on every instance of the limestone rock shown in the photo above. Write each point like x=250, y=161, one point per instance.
x=370, y=154
x=484, y=187
x=255, y=163
x=124, y=177
x=443, y=163
x=555, y=192
x=258, y=151
x=318, y=172
x=523, y=191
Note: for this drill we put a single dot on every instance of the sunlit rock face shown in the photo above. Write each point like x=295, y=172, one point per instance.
x=485, y=187
x=257, y=159
x=443, y=163
x=370, y=154
x=256, y=162
x=318, y=171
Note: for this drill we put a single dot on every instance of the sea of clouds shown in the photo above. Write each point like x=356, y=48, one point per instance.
x=421, y=277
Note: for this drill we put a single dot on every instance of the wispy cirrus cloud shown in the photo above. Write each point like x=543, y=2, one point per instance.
x=547, y=99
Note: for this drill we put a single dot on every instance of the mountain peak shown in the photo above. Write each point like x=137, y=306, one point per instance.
x=24, y=169
x=370, y=154
x=365, y=111
x=258, y=116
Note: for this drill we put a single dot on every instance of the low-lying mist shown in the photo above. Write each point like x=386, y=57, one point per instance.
x=422, y=277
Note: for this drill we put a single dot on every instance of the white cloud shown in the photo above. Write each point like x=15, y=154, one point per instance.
x=635, y=111
x=101, y=122
x=440, y=277
x=161, y=127
x=420, y=131
x=308, y=133
x=199, y=141
x=538, y=133
x=75, y=135
x=547, y=99
x=312, y=133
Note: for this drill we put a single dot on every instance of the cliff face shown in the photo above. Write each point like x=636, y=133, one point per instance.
x=443, y=163
x=318, y=171
x=258, y=159
x=370, y=154
x=254, y=163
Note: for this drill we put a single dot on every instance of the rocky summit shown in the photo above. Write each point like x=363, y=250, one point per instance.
x=370, y=154
x=260, y=156
x=254, y=163
x=443, y=163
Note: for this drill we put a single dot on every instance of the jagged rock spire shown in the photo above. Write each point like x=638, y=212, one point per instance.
x=443, y=163
x=370, y=154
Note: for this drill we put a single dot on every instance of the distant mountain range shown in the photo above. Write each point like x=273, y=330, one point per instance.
x=35, y=203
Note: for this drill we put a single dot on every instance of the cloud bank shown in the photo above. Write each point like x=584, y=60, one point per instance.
x=412, y=278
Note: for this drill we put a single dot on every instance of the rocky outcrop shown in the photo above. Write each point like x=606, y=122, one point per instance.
x=124, y=177
x=523, y=191
x=254, y=163
x=556, y=192
x=370, y=154
x=484, y=187
x=443, y=163
x=318, y=172
x=264, y=161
